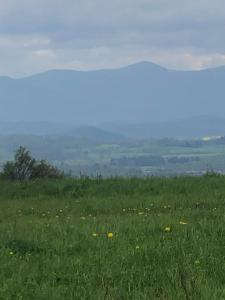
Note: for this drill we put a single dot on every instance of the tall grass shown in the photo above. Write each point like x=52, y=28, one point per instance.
x=166, y=241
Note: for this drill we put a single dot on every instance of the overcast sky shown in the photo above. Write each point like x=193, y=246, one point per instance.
x=37, y=35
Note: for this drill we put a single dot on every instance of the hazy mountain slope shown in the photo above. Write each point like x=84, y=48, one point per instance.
x=139, y=93
x=195, y=127
x=47, y=128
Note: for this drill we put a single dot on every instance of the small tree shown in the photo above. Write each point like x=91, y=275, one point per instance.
x=24, y=164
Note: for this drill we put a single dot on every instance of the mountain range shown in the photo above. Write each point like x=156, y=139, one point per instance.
x=139, y=94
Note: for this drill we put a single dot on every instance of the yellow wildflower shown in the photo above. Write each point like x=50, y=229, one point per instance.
x=168, y=229
x=183, y=223
x=110, y=235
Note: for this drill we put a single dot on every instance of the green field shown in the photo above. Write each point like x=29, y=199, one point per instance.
x=153, y=238
x=158, y=157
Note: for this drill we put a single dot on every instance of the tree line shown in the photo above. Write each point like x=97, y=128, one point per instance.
x=25, y=167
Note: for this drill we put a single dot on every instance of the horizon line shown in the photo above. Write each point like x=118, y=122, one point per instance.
x=111, y=69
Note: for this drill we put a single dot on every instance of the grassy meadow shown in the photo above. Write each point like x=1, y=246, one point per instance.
x=152, y=238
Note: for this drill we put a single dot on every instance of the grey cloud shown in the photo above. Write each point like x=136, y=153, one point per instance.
x=43, y=34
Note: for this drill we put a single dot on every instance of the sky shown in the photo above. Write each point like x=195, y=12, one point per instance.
x=38, y=35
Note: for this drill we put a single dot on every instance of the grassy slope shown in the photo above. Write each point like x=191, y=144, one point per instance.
x=48, y=250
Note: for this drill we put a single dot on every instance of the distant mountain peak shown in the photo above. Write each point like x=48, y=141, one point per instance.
x=145, y=65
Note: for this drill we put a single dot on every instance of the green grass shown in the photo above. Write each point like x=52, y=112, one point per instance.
x=48, y=250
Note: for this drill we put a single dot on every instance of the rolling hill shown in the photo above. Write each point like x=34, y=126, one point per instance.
x=90, y=133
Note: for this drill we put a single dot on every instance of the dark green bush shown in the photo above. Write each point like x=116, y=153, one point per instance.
x=43, y=169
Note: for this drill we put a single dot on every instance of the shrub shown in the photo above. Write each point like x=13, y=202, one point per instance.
x=43, y=169
x=8, y=171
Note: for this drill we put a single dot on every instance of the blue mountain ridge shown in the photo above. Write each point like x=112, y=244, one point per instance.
x=136, y=94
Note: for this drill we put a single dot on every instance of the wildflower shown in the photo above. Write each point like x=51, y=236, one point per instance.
x=183, y=223
x=60, y=210
x=11, y=253
x=137, y=247
x=57, y=216
x=168, y=229
x=94, y=234
x=124, y=209
x=110, y=235
x=140, y=213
